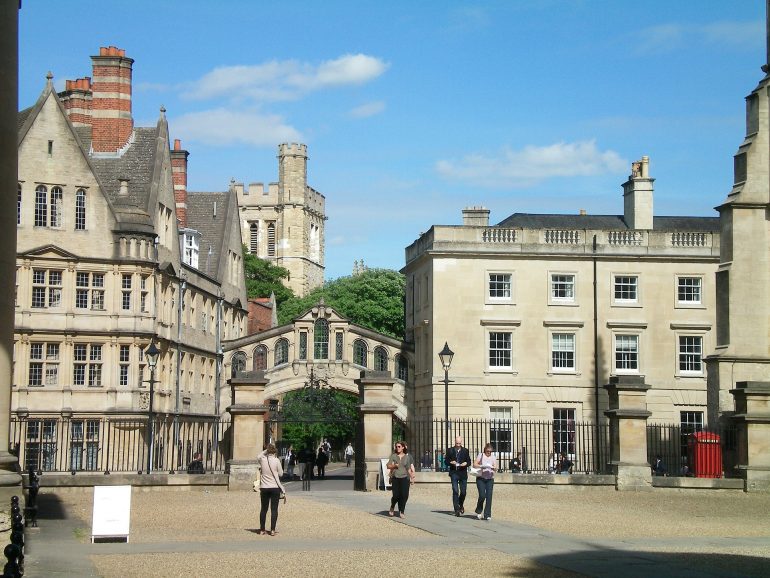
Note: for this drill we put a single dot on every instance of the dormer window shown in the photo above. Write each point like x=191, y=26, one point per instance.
x=191, y=241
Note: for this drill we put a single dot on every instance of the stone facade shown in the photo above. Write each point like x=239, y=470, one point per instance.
x=545, y=309
x=285, y=222
x=112, y=253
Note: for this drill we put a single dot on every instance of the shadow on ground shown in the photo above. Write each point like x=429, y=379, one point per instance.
x=50, y=507
x=632, y=564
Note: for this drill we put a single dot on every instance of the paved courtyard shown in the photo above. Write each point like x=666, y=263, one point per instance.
x=535, y=531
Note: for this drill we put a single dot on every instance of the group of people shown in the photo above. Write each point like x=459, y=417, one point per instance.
x=458, y=460
x=310, y=460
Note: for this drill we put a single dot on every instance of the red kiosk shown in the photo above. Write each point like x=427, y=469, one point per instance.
x=705, y=454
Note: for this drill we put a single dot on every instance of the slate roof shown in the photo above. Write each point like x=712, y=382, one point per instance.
x=201, y=217
x=606, y=222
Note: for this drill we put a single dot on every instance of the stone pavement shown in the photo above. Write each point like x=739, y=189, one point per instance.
x=58, y=547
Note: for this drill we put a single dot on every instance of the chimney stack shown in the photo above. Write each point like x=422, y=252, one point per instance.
x=476, y=217
x=637, y=196
x=111, y=120
x=77, y=101
x=179, y=175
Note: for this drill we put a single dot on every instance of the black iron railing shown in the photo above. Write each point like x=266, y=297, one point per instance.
x=52, y=443
x=536, y=444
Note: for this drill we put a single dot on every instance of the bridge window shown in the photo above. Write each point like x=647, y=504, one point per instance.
x=281, y=352
x=321, y=339
x=260, y=358
x=380, y=359
x=360, y=352
x=238, y=363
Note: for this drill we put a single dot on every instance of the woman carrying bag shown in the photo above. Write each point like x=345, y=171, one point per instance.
x=485, y=482
x=270, y=487
x=401, y=466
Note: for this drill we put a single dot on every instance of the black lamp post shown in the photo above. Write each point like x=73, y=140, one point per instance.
x=151, y=353
x=446, y=355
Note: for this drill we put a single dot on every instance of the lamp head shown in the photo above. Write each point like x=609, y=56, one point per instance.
x=152, y=353
x=446, y=355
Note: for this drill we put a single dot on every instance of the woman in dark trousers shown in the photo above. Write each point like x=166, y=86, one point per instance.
x=321, y=460
x=270, y=487
x=401, y=466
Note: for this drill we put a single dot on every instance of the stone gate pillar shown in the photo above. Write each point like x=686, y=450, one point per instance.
x=375, y=436
x=752, y=422
x=628, y=432
x=248, y=429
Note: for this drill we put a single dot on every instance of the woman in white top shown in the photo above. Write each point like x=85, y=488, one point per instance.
x=270, y=487
x=485, y=482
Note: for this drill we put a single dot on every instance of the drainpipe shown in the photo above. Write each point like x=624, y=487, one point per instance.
x=220, y=355
x=596, y=359
x=179, y=309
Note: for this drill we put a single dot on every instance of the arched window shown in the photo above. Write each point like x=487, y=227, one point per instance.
x=402, y=368
x=80, y=210
x=380, y=359
x=271, y=239
x=321, y=339
x=18, y=205
x=253, y=238
x=41, y=206
x=260, y=358
x=281, y=352
x=238, y=363
x=360, y=352
x=56, y=207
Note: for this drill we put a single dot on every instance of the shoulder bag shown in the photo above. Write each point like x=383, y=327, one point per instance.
x=277, y=480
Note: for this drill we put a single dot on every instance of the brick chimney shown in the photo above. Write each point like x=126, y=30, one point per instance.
x=77, y=101
x=111, y=121
x=179, y=173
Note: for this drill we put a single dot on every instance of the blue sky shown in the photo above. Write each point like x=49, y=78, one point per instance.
x=413, y=110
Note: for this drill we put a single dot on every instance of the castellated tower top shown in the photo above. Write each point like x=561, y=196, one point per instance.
x=292, y=149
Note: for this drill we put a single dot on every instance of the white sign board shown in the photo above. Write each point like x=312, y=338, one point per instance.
x=385, y=473
x=112, y=512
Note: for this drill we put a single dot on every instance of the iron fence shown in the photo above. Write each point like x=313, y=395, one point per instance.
x=52, y=443
x=694, y=451
x=539, y=443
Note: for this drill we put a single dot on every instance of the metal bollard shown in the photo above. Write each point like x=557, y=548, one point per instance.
x=11, y=568
x=30, y=510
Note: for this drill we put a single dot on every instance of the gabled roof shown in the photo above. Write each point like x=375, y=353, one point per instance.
x=211, y=224
x=605, y=222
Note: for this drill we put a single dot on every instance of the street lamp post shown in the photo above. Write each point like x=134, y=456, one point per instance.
x=151, y=353
x=446, y=355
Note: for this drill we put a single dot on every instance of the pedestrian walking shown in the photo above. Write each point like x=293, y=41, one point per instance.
x=458, y=459
x=321, y=460
x=349, y=451
x=401, y=466
x=485, y=482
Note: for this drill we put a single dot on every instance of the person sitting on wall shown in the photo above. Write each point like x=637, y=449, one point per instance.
x=658, y=467
x=196, y=465
x=516, y=464
x=426, y=463
x=565, y=465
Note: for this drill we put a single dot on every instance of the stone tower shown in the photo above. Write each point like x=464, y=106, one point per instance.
x=742, y=280
x=285, y=222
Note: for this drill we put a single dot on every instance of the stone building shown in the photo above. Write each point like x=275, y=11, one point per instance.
x=743, y=311
x=285, y=222
x=113, y=252
x=543, y=309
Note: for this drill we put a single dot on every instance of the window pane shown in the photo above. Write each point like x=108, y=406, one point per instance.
x=690, y=352
x=563, y=286
x=625, y=288
x=500, y=349
x=321, y=340
x=563, y=351
x=689, y=290
x=499, y=285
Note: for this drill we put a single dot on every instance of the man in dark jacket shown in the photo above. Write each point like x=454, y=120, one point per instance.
x=458, y=459
x=196, y=466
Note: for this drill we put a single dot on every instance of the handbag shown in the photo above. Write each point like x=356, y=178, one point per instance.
x=257, y=479
x=474, y=471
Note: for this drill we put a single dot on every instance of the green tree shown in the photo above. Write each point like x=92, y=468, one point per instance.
x=311, y=414
x=264, y=278
x=373, y=299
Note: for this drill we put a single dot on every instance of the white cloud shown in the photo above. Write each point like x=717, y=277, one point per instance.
x=284, y=80
x=368, y=109
x=666, y=38
x=221, y=127
x=532, y=164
